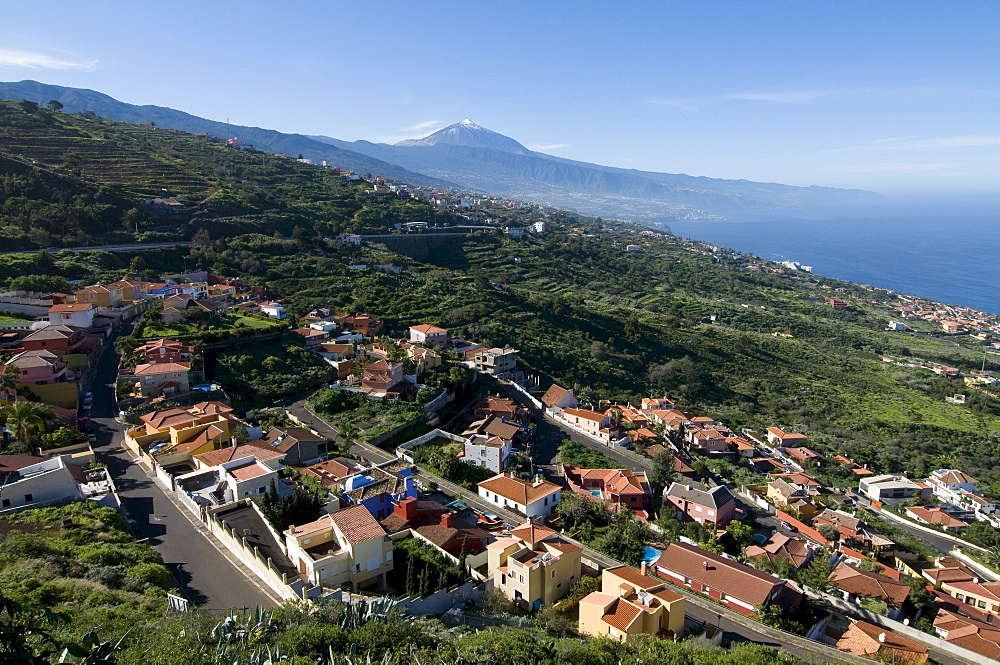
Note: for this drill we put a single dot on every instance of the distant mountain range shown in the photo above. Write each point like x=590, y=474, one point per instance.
x=470, y=157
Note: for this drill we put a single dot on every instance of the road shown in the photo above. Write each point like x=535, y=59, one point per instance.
x=206, y=575
x=110, y=248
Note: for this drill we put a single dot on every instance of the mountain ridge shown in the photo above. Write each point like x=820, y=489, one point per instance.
x=467, y=156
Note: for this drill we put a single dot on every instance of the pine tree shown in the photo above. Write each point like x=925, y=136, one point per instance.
x=425, y=582
x=411, y=577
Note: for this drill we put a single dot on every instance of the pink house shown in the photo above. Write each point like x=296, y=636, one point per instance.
x=591, y=422
x=39, y=367
x=716, y=506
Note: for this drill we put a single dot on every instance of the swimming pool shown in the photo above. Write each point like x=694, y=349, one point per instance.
x=650, y=554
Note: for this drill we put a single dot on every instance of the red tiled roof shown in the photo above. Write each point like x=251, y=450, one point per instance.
x=517, y=490
x=532, y=533
x=357, y=524
x=728, y=576
x=427, y=328
x=873, y=585
x=553, y=395
x=223, y=455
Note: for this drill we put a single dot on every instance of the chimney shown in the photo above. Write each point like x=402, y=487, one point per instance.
x=538, y=481
x=881, y=637
x=407, y=508
x=704, y=565
x=642, y=568
x=446, y=520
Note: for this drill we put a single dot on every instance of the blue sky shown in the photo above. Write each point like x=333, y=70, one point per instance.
x=890, y=96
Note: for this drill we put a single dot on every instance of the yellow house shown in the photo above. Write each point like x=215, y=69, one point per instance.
x=984, y=596
x=173, y=435
x=631, y=603
x=102, y=296
x=534, y=565
x=782, y=493
x=346, y=549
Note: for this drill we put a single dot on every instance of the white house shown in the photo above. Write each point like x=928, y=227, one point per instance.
x=79, y=315
x=428, y=335
x=273, y=309
x=949, y=484
x=897, y=326
x=490, y=452
x=531, y=499
x=889, y=489
x=27, y=481
x=557, y=398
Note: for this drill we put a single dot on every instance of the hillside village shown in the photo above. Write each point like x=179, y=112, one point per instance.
x=759, y=522
x=407, y=409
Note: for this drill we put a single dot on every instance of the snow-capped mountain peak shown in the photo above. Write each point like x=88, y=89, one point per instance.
x=470, y=134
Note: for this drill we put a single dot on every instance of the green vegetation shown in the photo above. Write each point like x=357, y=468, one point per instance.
x=256, y=374
x=420, y=570
x=300, y=507
x=576, y=454
x=440, y=457
x=367, y=417
x=205, y=329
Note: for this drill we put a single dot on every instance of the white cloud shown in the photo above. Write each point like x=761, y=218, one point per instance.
x=908, y=143
x=423, y=126
x=899, y=167
x=545, y=147
x=36, y=60
x=812, y=95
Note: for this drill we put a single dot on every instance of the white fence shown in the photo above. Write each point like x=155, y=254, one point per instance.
x=403, y=449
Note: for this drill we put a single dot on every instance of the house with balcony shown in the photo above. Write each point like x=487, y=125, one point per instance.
x=977, y=636
x=367, y=325
x=489, y=452
x=384, y=379
x=534, y=565
x=716, y=506
x=162, y=379
x=39, y=368
x=630, y=604
x=347, y=549
x=531, y=499
x=218, y=480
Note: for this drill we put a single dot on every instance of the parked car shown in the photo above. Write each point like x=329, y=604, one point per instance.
x=788, y=526
x=92, y=438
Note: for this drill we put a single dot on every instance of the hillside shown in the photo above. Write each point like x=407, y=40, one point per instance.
x=75, y=179
x=77, y=99
x=611, y=323
x=471, y=157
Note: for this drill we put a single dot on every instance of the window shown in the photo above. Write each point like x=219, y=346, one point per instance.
x=28, y=497
x=503, y=579
x=959, y=596
x=553, y=574
x=388, y=556
x=704, y=587
x=261, y=490
x=357, y=567
x=982, y=604
x=6, y=503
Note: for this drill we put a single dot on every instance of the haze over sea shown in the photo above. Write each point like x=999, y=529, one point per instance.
x=948, y=253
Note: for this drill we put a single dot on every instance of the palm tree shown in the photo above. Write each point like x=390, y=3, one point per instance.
x=25, y=420
x=8, y=381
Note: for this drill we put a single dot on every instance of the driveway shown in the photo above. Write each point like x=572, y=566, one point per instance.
x=205, y=575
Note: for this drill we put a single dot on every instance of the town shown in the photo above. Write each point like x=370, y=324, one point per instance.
x=439, y=472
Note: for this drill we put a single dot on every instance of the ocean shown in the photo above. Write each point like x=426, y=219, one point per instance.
x=948, y=254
